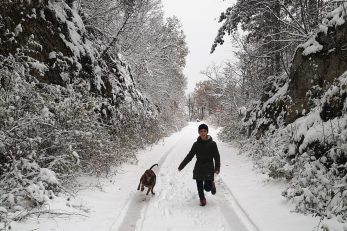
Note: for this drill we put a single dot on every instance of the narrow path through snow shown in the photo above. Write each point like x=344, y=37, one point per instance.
x=136, y=203
x=175, y=205
x=245, y=200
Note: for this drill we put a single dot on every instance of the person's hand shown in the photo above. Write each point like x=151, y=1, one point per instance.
x=217, y=172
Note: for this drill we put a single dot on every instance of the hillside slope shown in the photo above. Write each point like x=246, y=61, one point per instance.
x=64, y=110
x=300, y=127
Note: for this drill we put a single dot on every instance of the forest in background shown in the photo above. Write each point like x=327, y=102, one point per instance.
x=267, y=34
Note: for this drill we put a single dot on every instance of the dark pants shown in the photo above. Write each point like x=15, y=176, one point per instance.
x=203, y=184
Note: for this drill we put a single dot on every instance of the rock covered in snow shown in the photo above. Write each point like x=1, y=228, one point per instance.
x=63, y=109
x=318, y=62
x=51, y=38
x=301, y=123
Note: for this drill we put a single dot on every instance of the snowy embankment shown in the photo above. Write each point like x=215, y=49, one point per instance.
x=244, y=201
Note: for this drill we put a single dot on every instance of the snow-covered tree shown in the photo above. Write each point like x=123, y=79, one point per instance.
x=155, y=49
x=64, y=109
x=298, y=132
x=272, y=30
x=157, y=60
x=228, y=93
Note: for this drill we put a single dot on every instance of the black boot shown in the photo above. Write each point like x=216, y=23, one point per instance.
x=213, y=188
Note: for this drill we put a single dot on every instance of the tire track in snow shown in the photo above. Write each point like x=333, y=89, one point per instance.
x=222, y=205
x=178, y=200
x=244, y=222
x=131, y=211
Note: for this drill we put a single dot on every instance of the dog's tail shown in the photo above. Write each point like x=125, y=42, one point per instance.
x=153, y=166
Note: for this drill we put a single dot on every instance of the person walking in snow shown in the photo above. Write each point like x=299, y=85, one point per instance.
x=206, y=151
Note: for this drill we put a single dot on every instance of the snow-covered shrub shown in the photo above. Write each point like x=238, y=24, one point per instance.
x=298, y=131
x=50, y=134
x=319, y=179
x=267, y=114
x=64, y=111
x=319, y=189
x=232, y=129
x=24, y=120
x=271, y=154
x=311, y=154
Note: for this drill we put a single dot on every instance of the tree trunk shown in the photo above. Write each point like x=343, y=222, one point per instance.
x=277, y=37
x=312, y=11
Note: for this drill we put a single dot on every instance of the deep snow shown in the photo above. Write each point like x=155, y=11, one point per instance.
x=245, y=200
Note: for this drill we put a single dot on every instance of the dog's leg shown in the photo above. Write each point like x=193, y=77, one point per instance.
x=155, y=179
x=149, y=188
x=141, y=183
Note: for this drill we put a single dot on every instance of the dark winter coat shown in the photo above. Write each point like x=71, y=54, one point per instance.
x=206, y=151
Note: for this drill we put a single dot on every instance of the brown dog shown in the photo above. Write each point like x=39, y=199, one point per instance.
x=148, y=179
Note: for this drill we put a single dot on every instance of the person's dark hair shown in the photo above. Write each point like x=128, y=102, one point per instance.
x=203, y=126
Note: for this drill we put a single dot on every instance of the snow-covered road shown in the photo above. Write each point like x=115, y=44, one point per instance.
x=176, y=205
x=245, y=200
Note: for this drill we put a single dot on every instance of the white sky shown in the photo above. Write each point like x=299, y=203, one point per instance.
x=199, y=19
